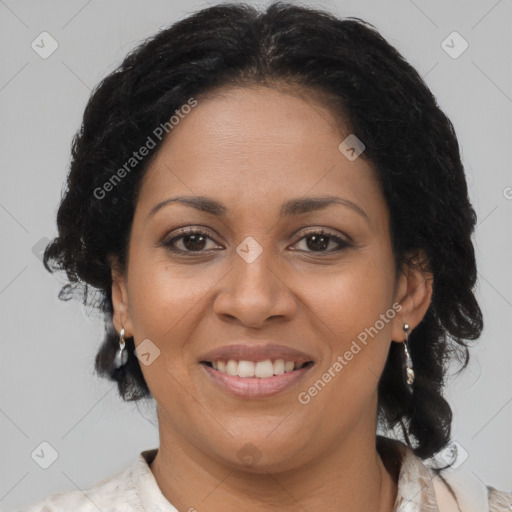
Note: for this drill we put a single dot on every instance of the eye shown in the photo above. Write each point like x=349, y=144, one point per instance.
x=191, y=239
x=195, y=240
x=319, y=241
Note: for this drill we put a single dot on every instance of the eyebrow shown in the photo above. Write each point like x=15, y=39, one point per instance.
x=291, y=207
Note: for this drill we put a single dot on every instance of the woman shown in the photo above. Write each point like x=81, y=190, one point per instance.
x=274, y=211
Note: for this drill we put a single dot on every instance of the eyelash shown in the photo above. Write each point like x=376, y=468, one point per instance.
x=194, y=231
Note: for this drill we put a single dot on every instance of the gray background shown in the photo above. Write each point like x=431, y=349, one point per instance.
x=48, y=389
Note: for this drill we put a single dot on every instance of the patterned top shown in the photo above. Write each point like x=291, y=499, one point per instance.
x=135, y=489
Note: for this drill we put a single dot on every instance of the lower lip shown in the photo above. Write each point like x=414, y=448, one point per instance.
x=252, y=387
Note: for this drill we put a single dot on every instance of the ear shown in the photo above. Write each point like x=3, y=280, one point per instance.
x=414, y=293
x=121, y=315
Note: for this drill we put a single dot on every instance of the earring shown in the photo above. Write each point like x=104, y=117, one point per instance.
x=409, y=372
x=121, y=354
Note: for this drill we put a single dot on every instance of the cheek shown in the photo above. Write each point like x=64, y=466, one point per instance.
x=352, y=297
x=161, y=295
x=165, y=301
x=354, y=313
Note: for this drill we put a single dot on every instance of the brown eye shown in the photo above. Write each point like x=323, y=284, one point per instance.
x=191, y=240
x=194, y=242
x=319, y=241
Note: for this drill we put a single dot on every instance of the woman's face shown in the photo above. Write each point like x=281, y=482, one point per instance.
x=261, y=284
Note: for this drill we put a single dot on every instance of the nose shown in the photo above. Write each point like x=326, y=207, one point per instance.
x=256, y=291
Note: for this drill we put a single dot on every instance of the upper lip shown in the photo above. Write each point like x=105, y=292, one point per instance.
x=254, y=352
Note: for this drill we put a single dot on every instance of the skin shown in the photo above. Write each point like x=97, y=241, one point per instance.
x=252, y=149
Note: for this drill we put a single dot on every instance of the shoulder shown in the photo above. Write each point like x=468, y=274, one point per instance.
x=424, y=489
x=462, y=491
x=499, y=501
x=114, y=493
x=465, y=493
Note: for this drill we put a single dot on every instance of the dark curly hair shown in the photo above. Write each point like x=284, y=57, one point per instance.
x=409, y=141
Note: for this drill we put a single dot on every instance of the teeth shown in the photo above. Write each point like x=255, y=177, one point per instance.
x=278, y=366
x=232, y=368
x=258, y=369
x=246, y=369
x=263, y=369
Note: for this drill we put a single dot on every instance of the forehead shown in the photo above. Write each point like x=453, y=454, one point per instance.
x=251, y=117
x=255, y=145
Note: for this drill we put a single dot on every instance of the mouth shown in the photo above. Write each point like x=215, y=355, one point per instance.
x=262, y=384
x=252, y=371
x=256, y=369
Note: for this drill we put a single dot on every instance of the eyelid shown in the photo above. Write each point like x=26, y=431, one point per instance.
x=325, y=231
x=180, y=232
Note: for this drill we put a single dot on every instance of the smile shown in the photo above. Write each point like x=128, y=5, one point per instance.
x=257, y=369
x=255, y=379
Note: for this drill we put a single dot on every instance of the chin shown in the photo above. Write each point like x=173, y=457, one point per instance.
x=264, y=454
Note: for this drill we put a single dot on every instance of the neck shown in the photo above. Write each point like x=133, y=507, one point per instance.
x=351, y=476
